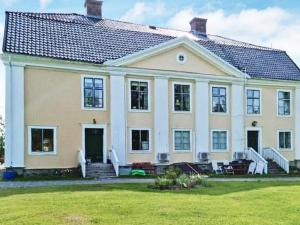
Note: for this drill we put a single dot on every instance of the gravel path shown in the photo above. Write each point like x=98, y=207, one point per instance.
x=25, y=184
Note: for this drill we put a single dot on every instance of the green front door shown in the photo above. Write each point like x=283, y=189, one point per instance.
x=94, y=144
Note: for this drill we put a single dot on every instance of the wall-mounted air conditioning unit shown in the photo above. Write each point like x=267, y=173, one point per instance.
x=239, y=155
x=203, y=157
x=163, y=157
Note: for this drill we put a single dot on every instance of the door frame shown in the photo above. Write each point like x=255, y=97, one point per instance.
x=259, y=137
x=94, y=126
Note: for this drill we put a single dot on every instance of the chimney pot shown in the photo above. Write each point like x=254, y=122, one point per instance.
x=198, y=26
x=93, y=8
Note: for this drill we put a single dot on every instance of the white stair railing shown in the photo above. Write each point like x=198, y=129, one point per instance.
x=257, y=158
x=82, y=162
x=114, y=160
x=273, y=154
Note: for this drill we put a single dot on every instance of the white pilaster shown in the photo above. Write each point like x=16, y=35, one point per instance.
x=118, y=115
x=237, y=118
x=202, y=117
x=161, y=116
x=297, y=123
x=14, y=116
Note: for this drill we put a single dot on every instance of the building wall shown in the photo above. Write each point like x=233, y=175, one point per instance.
x=53, y=98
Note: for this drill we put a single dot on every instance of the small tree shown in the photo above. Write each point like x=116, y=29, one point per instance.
x=1, y=137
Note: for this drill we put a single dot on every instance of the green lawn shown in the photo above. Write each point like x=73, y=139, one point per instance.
x=222, y=203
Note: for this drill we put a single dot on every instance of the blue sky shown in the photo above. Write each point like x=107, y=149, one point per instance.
x=273, y=23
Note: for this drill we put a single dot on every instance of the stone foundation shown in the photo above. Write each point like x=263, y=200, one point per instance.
x=46, y=172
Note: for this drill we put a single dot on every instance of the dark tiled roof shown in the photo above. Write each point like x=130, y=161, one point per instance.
x=80, y=38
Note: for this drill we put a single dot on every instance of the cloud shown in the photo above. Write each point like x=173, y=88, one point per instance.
x=271, y=26
x=141, y=11
x=45, y=3
x=8, y=3
x=2, y=74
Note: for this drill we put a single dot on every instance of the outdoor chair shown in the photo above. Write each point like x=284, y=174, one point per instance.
x=252, y=168
x=218, y=167
x=259, y=168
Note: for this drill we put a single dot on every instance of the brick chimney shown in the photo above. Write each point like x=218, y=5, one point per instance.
x=93, y=8
x=198, y=26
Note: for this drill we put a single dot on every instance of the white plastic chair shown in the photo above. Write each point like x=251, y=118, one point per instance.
x=259, y=168
x=252, y=168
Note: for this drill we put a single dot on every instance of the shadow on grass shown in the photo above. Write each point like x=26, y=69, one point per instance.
x=215, y=189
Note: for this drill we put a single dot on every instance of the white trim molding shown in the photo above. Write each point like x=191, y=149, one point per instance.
x=95, y=126
x=227, y=141
x=30, y=152
x=104, y=92
x=260, y=101
x=278, y=146
x=297, y=123
x=173, y=96
x=129, y=96
x=118, y=116
x=211, y=100
x=191, y=140
x=130, y=141
x=191, y=45
x=161, y=115
x=201, y=117
x=14, y=116
x=291, y=102
x=237, y=118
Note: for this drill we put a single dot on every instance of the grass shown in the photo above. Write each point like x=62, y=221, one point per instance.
x=133, y=204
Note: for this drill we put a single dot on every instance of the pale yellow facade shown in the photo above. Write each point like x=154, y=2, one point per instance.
x=53, y=97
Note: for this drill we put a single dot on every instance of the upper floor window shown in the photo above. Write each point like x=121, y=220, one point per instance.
x=42, y=140
x=285, y=139
x=284, y=103
x=93, y=92
x=140, y=140
x=253, y=101
x=219, y=99
x=182, y=97
x=139, y=94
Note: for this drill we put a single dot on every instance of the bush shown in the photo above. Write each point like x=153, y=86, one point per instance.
x=163, y=183
x=172, y=173
x=1, y=138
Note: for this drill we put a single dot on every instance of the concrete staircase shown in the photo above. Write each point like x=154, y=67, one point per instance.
x=274, y=168
x=100, y=170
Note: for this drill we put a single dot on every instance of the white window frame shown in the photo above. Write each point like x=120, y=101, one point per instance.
x=260, y=101
x=173, y=96
x=140, y=151
x=211, y=99
x=285, y=149
x=291, y=102
x=149, y=96
x=104, y=93
x=181, y=54
x=54, y=141
x=191, y=141
x=211, y=141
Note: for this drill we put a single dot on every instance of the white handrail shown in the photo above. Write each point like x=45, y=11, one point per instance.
x=114, y=160
x=82, y=162
x=256, y=157
x=273, y=154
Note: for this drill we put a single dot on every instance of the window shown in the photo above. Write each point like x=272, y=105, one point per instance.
x=284, y=103
x=253, y=101
x=181, y=58
x=219, y=140
x=219, y=101
x=182, y=97
x=42, y=140
x=182, y=140
x=93, y=92
x=285, y=139
x=140, y=140
x=139, y=92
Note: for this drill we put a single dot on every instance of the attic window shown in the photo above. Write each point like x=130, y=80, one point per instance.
x=181, y=58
